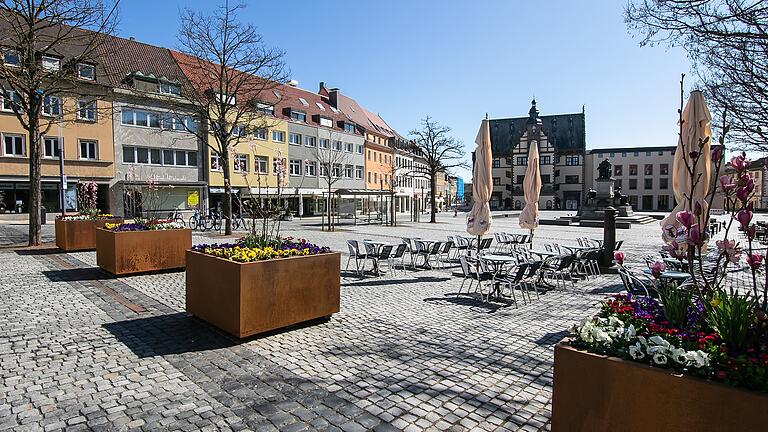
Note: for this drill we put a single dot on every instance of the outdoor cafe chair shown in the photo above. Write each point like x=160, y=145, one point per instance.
x=618, y=245
x=445, y=252
x=398, y=254
x=460, y=245
x=557, y=267
x=485, y=244
x=635, y=286
x=431, y=253
x=354, y=252
x=531, y=277
x=383, y=254
x=499, y=242
x=468, y=273
x=515, y=281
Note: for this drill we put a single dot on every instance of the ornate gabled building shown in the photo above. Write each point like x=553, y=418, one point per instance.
x=562, y=143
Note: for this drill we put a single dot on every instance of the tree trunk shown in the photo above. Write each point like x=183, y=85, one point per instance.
x=226, y=207
x=432, y=198
x=35, y=196
x=329, y=209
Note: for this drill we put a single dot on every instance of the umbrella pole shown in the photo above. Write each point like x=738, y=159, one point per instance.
x=531, y=239
x=478, y=245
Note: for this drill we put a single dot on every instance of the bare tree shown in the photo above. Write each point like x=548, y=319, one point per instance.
x=48, y=46
x=727, y=43
x=440, y=151
x=232, y=75
x=330, y=163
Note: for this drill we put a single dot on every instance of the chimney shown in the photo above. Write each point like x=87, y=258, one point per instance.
x=132, y=38
x=293, y=83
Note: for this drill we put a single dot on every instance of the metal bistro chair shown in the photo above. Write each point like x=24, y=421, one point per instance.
x=460, y=245
x=485, y=244
x=384, y=254
x=399, y=254
x=515, y=280
x=558, y=267
x=354, y=252
x=634, y=285
x=444, y=255
x=433, y=252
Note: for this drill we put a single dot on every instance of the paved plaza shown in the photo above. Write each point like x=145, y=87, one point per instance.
x=80, y=350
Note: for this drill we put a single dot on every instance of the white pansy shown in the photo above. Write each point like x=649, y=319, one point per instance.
x=678, y=355
x=658, y=340
x=636, y=351
x=697, y=358
x=630, y=332
x=615, y=322
x=660, y=358
x=642, y=340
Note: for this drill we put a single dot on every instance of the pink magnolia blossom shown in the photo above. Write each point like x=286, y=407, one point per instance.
x=618, y=257
x=739, y=162
x=658, y=268
x=685, y=218
x=697, y=236
x=717, y=153
x=744, y=216
x=677, y=250
x=729, y=249
x=727, y=184
x=754, y=260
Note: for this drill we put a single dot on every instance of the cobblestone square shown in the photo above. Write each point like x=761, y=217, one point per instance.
x=81, y=350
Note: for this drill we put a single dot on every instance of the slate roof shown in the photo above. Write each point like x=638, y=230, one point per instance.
x=567, y=132
x=123, y=57
x=289, y=98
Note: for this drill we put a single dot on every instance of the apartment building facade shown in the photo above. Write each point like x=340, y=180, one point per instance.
x=644, y=174
x=561, y=141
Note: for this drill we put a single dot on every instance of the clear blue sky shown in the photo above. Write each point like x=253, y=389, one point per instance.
x=456, y=60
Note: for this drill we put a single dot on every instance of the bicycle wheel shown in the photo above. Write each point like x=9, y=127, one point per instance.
x=216, y=224
x=180, y=221
x=207, y=223
x=193, y=222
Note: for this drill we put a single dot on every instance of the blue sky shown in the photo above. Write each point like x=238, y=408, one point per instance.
x=457, y=60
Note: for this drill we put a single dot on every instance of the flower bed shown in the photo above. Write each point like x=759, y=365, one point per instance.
x=78, y=232
x=87, y=216
x=240, y=252
x=156, y=224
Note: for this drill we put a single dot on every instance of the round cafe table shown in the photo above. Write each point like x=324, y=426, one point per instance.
x=676, y=276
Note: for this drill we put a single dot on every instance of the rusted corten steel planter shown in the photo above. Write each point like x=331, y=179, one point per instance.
x=75, y=235
x=598, y=393
x=125, y=252
x=245, y=299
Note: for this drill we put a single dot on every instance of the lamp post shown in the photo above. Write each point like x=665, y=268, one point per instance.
x=62, y=177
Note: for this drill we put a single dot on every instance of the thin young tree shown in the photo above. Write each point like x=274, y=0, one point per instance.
x=67, y=33
x=440, y=152
x=232, y=75
x=330, y=163
x=727, y=43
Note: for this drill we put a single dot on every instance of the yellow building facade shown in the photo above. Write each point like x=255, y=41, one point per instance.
x=85, y=130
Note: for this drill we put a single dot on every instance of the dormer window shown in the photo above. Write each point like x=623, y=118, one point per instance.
x=319, y=105
x=324, y=121
x=349, y=127
x=86, y=71
x=51, y=63
x=11, y=58
x=229, y=100
x=265, y=108
x=303, y=102
x=299, y=116
x=169, y=88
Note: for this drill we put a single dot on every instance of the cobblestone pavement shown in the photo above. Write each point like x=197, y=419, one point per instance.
x=82, y=350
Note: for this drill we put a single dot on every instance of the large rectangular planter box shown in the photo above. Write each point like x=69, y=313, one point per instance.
x=125, y=252
x=245, y=299
x=75, y=235
x=598, y=393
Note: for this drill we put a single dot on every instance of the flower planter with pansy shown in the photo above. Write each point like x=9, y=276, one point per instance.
x=247, y=290
x=78, y=232
x=128, y=248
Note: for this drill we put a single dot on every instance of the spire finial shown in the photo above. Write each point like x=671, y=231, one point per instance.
x=486, y=116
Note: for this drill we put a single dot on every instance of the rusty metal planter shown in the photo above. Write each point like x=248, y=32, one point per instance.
x=75, y=235
x=125, y=252
x=245, y=299
x=599, y=393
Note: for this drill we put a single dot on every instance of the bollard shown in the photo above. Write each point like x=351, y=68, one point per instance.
x=609, y=238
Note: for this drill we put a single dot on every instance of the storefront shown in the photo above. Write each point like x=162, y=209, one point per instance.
x=161, y=199
x=14, y=196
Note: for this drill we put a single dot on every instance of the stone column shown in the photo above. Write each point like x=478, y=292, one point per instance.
x=609, y=237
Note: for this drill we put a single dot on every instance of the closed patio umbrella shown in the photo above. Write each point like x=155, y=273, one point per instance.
x=529, y=217
x=479, y=218
x=696, y=127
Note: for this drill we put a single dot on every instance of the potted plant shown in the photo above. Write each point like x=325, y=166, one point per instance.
x=145, y=246
x=263, y=281
x=78, y=231
x=696, y=358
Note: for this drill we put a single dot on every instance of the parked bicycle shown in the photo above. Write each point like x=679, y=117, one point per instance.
x=201, y=222
x=175, y=216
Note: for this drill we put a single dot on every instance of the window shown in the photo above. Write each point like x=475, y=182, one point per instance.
x=173, y=157
x=544, y=160
x=11, y=58
x=325, y=143
x=155, y=157
x=129, y=154
x=309, y=169
x=294, y=167
x=496, y=181
x=142, y=156
x=319, y=105
x=51, y=147
x=648, y=169
x=240, y=163
x=663, y=183
x=623, y=154
x=633, y=170
x=303, y=101
x=215, y=163
x=574, y=160
x=600, y=155
x=545, y=179
x=168, y=88
x=278, y=136
x=359, y=172
x=336, y=170
x=326, y=122
x=662, y=202
x=496, y=163
x=89, y=149
x=13, y=145
x=618, y=170
x=294, y=138
x=648, y=183
x=310, y=141
x=369, y=176
x=612, y=154
x=265, y=108
x=51, y=106
x=633, y=183
x=260, y=134
x=86, y=71
x=661, y=153
x=348, y=171
x=520, y=179
x=359, y=149
x=522, y=160
x=299, y=116
x=349, y=147
x=647, y=153
x=86, y=110
x=337, y=145
x=51, y=63
x=11, y=101
x=636, y=154
x=664, y=169
x=239, y=130
x=349, y=127
x=260, y=164
x=572, y=179
x=323, y=169
x=369, y=155
x=617, y=184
